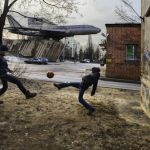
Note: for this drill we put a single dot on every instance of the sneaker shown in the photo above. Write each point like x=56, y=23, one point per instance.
x=1, y=102
x=57, y=85
x=91, y=111
x=30, y=95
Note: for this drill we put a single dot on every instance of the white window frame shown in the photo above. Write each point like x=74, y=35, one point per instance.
x=133, y=49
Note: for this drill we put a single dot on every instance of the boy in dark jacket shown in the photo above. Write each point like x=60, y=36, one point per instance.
x=8, y=78
x=87, y=81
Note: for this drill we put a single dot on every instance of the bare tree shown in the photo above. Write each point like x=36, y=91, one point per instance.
x=18, y=68
x=129, y=14
x=57, y=10
x=96, y=54
x=89, y=49
x=81, y=54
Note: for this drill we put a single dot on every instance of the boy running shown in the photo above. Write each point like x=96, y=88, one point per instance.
x=8, y=78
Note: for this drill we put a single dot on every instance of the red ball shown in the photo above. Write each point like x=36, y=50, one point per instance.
x=50, y=74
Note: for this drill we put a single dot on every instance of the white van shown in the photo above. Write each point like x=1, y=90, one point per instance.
x=85, y=61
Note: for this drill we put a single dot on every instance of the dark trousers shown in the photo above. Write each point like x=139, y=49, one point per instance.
x=9, y=78
x=81, y=92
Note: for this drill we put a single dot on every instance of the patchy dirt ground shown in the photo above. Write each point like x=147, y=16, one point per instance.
x=55, y=120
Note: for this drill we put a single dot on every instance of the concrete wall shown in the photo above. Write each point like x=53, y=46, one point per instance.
x=36, y=48
x=145, y=61
x=119, y=36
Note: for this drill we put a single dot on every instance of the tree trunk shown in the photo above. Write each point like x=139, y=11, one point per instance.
x=2, y=20
x=1, y=36
x=3, y=17
x=1, y=28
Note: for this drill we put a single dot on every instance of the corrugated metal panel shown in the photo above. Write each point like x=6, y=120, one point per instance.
x=37, y=48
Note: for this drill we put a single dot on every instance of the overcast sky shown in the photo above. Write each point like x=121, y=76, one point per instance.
x=98, y=13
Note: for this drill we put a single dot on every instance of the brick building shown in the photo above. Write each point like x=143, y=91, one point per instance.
x=123, y=51
x=145, y=61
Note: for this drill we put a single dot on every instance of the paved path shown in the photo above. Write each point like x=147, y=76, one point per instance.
x=70, y=72
x=101, y=83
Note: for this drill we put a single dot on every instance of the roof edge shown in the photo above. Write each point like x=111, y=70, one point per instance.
x=123, y=25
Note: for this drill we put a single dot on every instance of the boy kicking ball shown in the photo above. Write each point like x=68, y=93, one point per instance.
x=5, y=78
x=88, y=80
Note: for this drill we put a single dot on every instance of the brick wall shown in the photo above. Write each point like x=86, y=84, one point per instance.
x=119, y=36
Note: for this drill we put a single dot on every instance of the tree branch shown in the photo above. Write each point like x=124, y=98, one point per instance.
x=51, y=4
x=12, y=4
x=130, y=6
x=60, y=7
x=133, y=17
x=28, y=17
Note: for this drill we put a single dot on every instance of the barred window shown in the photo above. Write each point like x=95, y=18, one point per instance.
x=131, y=52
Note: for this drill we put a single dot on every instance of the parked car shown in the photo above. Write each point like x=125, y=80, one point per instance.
x=37, y=61
x=44, y=61
x=102, y=63
x=85, y=61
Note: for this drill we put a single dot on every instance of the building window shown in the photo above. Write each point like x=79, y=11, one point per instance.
x=131, y=52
